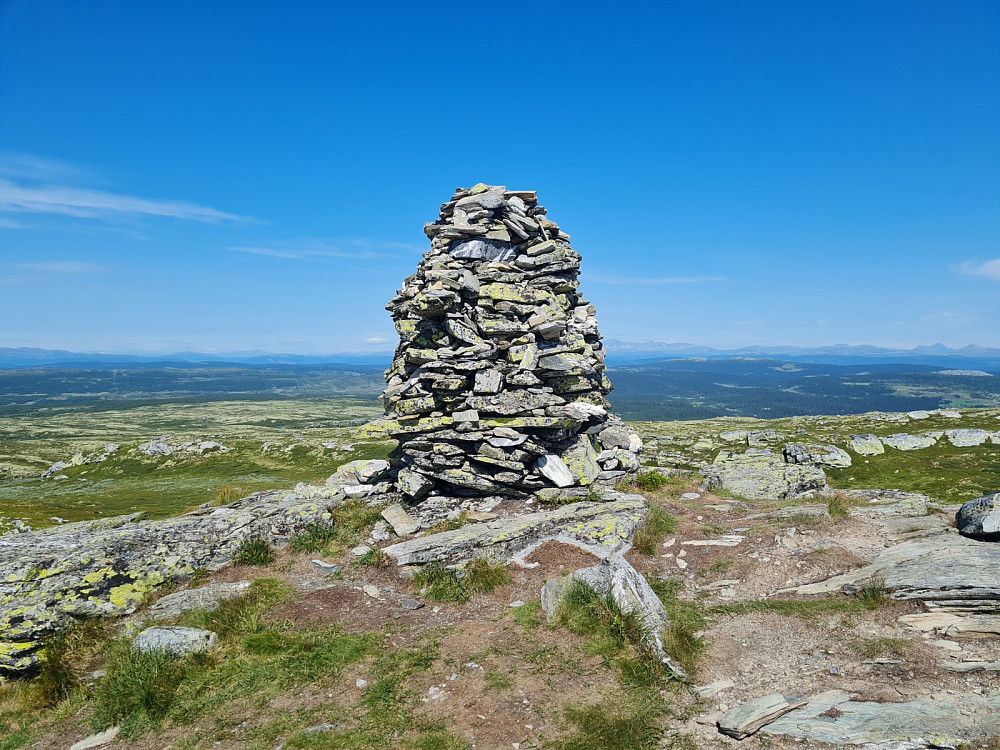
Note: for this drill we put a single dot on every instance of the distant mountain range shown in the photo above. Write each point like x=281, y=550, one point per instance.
x=619, y=353
x=22, y=357
x=939, y=355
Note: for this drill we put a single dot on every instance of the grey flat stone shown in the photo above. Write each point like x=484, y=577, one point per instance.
x=745, y=719
x=555, y=470
x=326, y=567
x=175, y=639
x=941, y=720
x=944, y=568
x=607, y=525
x=96, y=740
x=204, y=597
x=402, y=522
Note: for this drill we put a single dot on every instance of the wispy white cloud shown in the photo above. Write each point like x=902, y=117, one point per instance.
x=949, y=317
x=57, y=267
x=32, y=168
x=600, y=278
x=313, y=249
x=6, y=223
x=39, y=185
x=988, y=268
x=266, y=251
x=376, y=340
x=88, y=203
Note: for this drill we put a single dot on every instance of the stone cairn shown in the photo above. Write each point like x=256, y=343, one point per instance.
x=498, y=384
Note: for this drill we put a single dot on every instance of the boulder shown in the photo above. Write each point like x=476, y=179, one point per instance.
x=905, y=442
x=980, y=518
x=364, y=471
x=207, y=597
x=966, y=438
x=757, y=474
x=175, y=639
x=818, y=455
x=866, y=445
x=939, y=720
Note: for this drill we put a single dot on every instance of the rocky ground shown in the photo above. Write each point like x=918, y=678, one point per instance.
x=498, y=676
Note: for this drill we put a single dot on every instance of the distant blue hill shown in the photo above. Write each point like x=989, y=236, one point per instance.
x=17, y=358
x=935, y=355
x=619, y=353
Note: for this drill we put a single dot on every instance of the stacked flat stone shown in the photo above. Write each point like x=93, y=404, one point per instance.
x=498, y=384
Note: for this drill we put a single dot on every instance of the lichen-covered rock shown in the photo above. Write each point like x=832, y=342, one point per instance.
x=758, y=474
x=980, y=518
x=51, y=577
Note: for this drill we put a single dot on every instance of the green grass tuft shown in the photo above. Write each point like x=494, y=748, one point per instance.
x=618, y=637
x=138, y=690
x=632, y=722
x=313, y=538
x=681, y=640
x=483, y=576
x=254, y=551
x=440, y=584
x=373, y=558
x=872, y=648
x=657, y=524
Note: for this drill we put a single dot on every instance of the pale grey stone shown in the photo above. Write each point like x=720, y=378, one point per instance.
x=207, y=597
x=759, y=475
x=175, y=639
x=553, y=468
x=402, y=522
x=946, y=568
x=940, y=720
x=413, y=484
x=745, y=719
x=97, y=740
x=980, y=518
x=604, y=527
x=905, y=442
x=966, y=438
x=866, y=445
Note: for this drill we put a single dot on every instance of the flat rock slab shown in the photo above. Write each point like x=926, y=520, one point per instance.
x=204, y=597
x=745, y=719
x=946, y=567
x=175, y=639
x=402, y=522
x=944, y=720
x=609, y=525
x=104, y=568
x=96, y=740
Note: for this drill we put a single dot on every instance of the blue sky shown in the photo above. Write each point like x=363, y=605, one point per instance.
x=255, y=175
